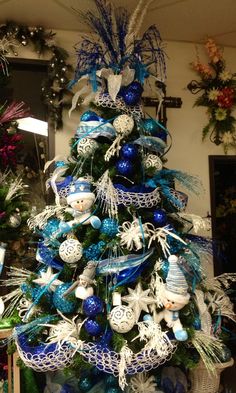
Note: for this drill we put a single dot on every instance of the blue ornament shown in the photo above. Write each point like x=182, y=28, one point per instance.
x=129, y=151
x=132, y=93
x=106, y=337
x=109, y=227
x=93, y=252
x=92, y=306
x=124, y=167
x=92, y=327
x=89, y=116
x=50, y=228
x=135, y=86
x=159, y=218
x=225, y=354
x=85, y=384
x=111, y=381
x=197, y=323
x=165, y=269
x=150, y=126
x=66, y=304
x=59, y=164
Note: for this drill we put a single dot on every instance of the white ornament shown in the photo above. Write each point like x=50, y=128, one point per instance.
x=142, y=383
x=70, y=251
x=123, y=124
x=132, y=234
x=122, y=319
x=138, y=300
x=15, y=220
x=48, y=278
x=86, y=147
x=152, y=161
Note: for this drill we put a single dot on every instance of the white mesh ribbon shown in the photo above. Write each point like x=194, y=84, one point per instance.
x=104, y=100
x=110, y=197
x=149, y=358
x=44, y=360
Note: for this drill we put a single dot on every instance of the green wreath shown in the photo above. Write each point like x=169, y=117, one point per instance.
x=55, y=92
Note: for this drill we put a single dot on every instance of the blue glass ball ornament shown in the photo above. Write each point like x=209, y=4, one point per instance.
x=197, y=323
x=110, y=381
x=129, y=151
x=136, y=86
x=51, y=227
x=150, y=126
x=225, y=354
x=85, y=384
x=109, y=227
x=92, y=306
x=93, y=252
x=113, y=389
x=92, y=327
x=66, y=304
x=159, y=218
x=89, y=116
x=131, y=97
x=124, y=167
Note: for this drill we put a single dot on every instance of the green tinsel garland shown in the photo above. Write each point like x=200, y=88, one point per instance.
x=55, y=92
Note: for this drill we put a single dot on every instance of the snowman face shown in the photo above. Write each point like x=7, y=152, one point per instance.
x=82, y=204
x=173, y=305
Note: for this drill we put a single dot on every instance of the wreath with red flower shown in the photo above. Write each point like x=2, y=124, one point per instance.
x=218, y=85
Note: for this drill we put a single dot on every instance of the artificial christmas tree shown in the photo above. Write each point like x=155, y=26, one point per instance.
x=119, y=284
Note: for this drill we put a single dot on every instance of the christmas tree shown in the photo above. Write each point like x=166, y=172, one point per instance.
x=119, y=283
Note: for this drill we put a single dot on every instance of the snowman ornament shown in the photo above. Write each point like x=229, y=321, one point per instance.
x=175, y=298
x=80, y=199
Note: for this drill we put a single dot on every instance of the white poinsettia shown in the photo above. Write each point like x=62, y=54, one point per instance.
x=228, y=138
x=225, y=76
x=213, y=94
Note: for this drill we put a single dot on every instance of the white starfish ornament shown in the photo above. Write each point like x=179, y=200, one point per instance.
x=138, y=300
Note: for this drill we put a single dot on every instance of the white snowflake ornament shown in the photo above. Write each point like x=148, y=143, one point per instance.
x=138, y=300
x=48, y=278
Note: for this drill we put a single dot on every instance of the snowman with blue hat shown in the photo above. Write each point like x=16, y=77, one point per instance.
x=80, y=199
x=176, y=296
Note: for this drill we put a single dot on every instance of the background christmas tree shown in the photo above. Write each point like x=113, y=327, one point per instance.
x=119, y=284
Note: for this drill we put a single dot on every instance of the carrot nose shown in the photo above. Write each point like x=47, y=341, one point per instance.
x=168, y=306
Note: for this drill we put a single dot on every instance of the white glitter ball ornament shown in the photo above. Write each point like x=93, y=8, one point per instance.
x=70, y=251
x=123, y=124
x=86, y=147
x=122, y=319
x=152, y=161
